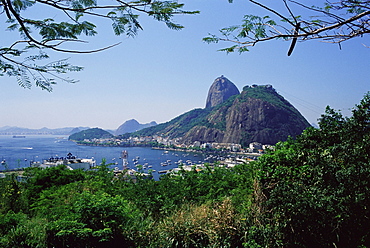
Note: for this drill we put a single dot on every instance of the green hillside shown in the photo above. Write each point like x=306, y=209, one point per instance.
x=92, y=133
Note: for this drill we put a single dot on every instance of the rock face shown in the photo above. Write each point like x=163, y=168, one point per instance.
x=221, y=90
x=132, y=126
x=258, y=114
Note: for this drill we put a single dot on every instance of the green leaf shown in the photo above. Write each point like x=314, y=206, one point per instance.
x=13, y=27
x=174, y=26
x=242, y=49
x=19, y=5
x=229, y=49
x=211, y=39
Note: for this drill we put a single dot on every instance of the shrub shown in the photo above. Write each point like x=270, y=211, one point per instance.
x=206, y=225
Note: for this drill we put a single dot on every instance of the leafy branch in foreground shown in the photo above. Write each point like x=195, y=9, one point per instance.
x=37, y=36
x=335, y=22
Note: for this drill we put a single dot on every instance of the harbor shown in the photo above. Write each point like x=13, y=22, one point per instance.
x=51, y=150
x=35, y=149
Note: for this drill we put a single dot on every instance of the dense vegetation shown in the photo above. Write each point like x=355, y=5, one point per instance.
x=266, y=93
x=92, y=133
x=313, y=191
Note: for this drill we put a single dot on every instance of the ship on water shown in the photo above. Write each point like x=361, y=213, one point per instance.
x=71, y=161
x=19, y=136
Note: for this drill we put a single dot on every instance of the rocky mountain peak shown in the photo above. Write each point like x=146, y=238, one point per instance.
x=221, y=90
x=257, y=114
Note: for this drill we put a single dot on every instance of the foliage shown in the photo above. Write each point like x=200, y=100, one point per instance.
x=97, y=220
x=64, y=233
x=91, y=133
x=158, y=198
x=22, y=58
x=39, y=179
x=206, y=225
x=317, y=187
x=18, y=231
x=11, y=197
x=10, y=220
x=335, y=22
x=85, y=214
x=94, y=209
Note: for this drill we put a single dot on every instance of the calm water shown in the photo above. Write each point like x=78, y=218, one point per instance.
x=19, y=152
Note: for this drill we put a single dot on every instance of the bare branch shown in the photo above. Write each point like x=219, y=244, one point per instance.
x=273, y=11
x=290, y=12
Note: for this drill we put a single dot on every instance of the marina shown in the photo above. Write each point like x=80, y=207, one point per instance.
x=35, y=149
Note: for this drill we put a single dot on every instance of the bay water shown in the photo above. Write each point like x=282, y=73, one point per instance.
x=21, y=151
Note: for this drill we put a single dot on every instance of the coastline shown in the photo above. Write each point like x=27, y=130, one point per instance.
x=219, y=152
x=208, y=151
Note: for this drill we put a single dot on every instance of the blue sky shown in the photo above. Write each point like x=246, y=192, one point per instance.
x=162, y=73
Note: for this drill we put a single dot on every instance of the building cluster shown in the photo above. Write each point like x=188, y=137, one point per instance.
x=159, y=141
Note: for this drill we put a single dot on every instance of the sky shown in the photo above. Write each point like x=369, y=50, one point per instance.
x=162, y=73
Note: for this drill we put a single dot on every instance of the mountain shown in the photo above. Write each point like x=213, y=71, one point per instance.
x=132, y=126
x=92, y=133
x=257, y=114
x=7, y=130
x=75, y=130
x=221, y=90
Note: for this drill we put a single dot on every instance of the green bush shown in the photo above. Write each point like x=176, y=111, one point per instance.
x=18, y=231
x=12, y=197
x=206, y=225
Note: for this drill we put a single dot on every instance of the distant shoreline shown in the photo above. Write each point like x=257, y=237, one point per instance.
x=206, y=151
x=174, y=149
x=35, y=134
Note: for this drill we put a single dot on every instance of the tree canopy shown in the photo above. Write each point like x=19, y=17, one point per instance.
x=27, y=57
x=333, y=22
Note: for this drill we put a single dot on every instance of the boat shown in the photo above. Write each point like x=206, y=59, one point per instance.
x=19, y=136
x=71, y=161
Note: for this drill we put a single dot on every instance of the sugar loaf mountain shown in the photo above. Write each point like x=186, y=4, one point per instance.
x=257, y=114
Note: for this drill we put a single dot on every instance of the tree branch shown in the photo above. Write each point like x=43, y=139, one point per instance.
x=6, y=9
x=328, y=31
